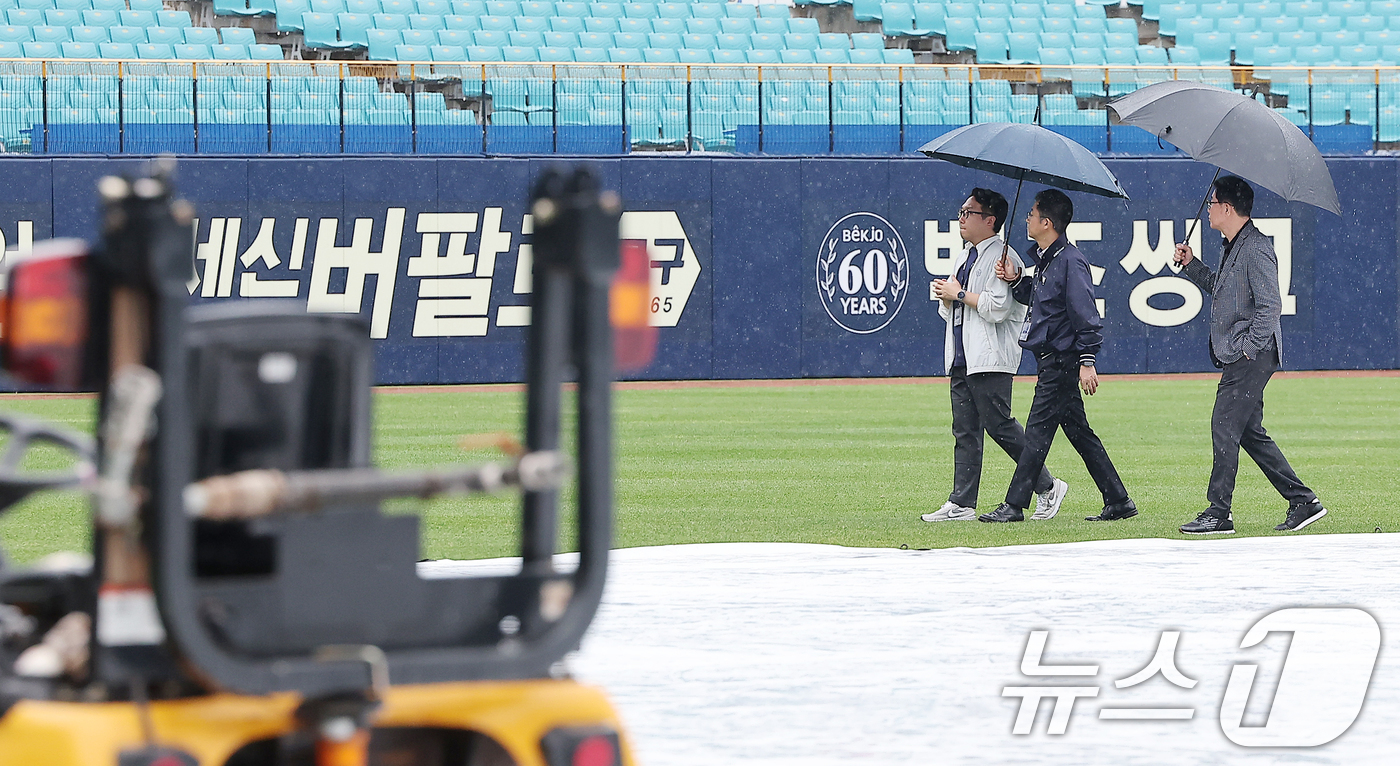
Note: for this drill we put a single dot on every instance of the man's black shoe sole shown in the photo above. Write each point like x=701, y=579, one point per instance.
x=1106, y=517
x=1212, y=532
x=1307, y=521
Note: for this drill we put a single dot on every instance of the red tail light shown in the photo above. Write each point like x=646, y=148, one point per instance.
x=44, y=317
x=634, y=339
x=592, y=746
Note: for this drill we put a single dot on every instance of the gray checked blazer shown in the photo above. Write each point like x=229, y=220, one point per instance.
x=1245, y=303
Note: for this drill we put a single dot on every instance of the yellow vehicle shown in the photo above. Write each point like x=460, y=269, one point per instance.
x=248, y=602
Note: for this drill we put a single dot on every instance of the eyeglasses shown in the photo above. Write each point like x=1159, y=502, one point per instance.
x=1216, y=202
x=964, y=213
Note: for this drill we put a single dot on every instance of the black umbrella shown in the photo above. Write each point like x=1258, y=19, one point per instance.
x=1026, y=153
x=1234, y=133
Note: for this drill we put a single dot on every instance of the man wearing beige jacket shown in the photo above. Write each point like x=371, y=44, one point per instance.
x=981, y=353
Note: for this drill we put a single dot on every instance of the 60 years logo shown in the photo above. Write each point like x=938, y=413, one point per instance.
x=862, y=273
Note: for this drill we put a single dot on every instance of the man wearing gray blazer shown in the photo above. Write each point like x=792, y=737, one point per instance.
x=1247, y=343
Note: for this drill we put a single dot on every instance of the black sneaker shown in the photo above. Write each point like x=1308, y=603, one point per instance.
x=1003, y=513
x=1301, y=515
x=1206, y=524
x=1124, y=510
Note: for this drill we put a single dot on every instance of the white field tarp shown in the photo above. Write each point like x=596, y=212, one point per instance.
x=772, y=653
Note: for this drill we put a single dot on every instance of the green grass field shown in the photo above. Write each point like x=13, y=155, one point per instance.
x=856, y=464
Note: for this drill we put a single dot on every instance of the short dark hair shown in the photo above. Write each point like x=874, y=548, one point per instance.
x=1235, y=192
x=991, y=202
x=1055, y=206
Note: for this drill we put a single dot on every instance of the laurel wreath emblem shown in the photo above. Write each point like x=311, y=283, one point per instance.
x=898, y=276
x=828, y=280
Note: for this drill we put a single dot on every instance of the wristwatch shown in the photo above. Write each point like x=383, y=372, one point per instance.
x=961, y=295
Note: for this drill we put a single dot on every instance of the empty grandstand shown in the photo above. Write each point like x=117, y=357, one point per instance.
x=504, y=76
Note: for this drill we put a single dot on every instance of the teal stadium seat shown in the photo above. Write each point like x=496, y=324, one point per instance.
x=836, y=40
x=237, y=36
x=1173, y=13
x=42, y=50
x=866, y=10
x=165, y=35
x=520, y=39
x=332, y=7
x=833, y=56
x=117, y=50
x=1026, y=26
x=695, y=56
x=800, y=41
x=104, y=18
x=1315, y=55
x=193, y=52
x=1245, y=45
x=321, y=32
x=231, y=53
x=700, y=41
x=1214, y=47
x=991, y=48
x=1278, y=25
x=265, y=52
x=740, y=11
x=774, y=26
x=930, y=16
x=634, y=26
x=155, y=51
x=382, y=43
x=736, y=26
x=1322, y=24
x=962, y=34
x=898, y=56
x=78, y=50
x=1089, y=40
x=762, y=56
x=47, y=34
x=1056, y=40
x=868, y=40
x=993, y=24
x=1339, y=39
x=354, y=28
x=200, y=36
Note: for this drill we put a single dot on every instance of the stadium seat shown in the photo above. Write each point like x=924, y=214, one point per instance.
x=991, y=48
x=230, y=52
x=48, y=34
x=962, y=34
x=1214, y=47
x=165, y=35
x=426, y=22
x=382, y=43
x=117, y=50
x=265, y=52
x=1056, y=40
x=1245, y=45
x=1031, y=26
x=993, y=24
x=634, y=26
x=695, y=56
x=1339, y=39
x=930, y=16
x=732, y=26
x=1171, y=14
x=96, y=18
x=200, y=36
x=78, y=50
x=193, y=52
x=800, y=41
x=1359, y=55
x=1315, y=55
x=837, y=40
x=321, y=32
x=1278, y=25
x=85, y=34
x=1322, y=24
x=833, y=56
x=237, y=36
x=129, y=35
x=354, y=28
x=522, y=39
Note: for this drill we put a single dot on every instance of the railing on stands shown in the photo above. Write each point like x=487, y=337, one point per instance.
x=144, y=107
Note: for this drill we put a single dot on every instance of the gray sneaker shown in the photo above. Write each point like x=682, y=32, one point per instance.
x=951, y=511
x=1047, y=504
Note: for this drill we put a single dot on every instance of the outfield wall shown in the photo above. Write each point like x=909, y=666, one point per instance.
x=753, y=276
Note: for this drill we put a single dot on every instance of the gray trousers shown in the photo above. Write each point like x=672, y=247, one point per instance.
x=982, y=403
x=1238, y=421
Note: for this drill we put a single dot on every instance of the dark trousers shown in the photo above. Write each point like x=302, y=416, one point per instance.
x=1058, y=404
x=1238, y=421
x=982, y=403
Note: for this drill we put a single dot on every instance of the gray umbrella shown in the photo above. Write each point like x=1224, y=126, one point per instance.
x=1234, y=133
x=1026, y=153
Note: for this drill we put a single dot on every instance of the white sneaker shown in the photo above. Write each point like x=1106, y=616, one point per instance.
x=1047, y=504
x=951, y=511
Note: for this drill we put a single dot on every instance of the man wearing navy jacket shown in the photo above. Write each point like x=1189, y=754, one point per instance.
x=1064, y=332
